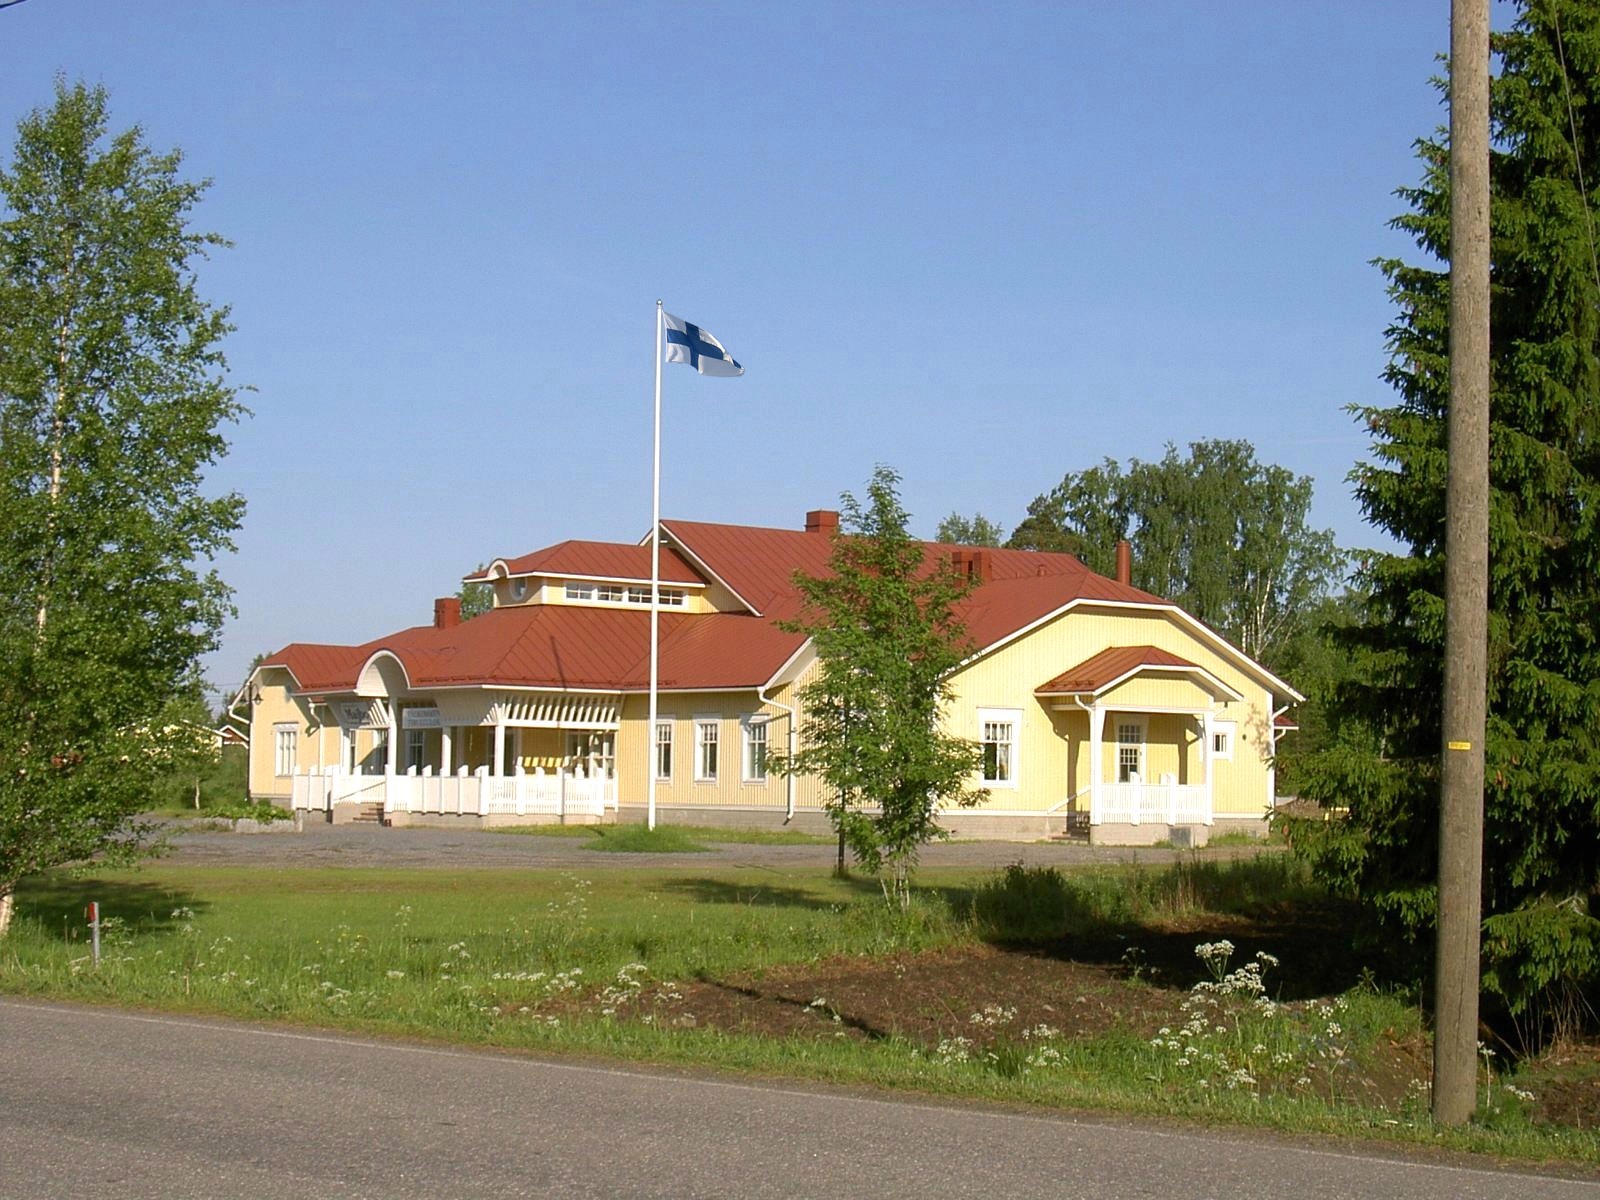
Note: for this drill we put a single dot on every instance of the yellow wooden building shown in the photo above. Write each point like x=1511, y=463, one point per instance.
x=1098, y=706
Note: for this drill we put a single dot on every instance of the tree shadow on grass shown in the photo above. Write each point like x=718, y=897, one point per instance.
x=1148, y=926
x=720, y=891
x=59, y=902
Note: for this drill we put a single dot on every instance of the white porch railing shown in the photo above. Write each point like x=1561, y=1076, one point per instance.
x=1163, y=803
x=558, y=793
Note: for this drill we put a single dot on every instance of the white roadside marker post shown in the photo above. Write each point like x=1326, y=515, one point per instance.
x=94, y=931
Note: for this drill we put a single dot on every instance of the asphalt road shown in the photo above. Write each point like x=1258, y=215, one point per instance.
x=100, y=1102
x=374, y=846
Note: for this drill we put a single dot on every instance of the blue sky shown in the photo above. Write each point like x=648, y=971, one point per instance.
x=986, y=245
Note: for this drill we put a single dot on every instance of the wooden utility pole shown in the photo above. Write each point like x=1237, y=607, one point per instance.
x=1466, y=586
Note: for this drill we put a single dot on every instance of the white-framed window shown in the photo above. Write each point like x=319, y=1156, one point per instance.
x=754, y=754
x=999, y=732
x=638, y=595
x=664, y=750
x=1223, y=734
x=285, y=748
x=611, y=593
x=670, y=597
x=519, y=589
x=1130, y=750
x=705, y=749
x=580, y=591
x=416, y=748
x=378, y=759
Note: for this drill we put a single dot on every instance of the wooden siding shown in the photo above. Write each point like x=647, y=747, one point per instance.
x=1052, y=766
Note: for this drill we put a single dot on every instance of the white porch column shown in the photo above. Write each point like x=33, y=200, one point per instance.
x=1207, y=744
x=444, y=749
x=392, y=749
x=498, y=766
x=1097, y=720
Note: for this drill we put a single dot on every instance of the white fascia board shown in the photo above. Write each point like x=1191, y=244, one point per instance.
x=284, y=667
x=782, y=674
x=1206, y=633
x=708, y=691
x=697, y=561
x=373, y=658
x=1140, y=669
x=487, y=575
x=665, y=583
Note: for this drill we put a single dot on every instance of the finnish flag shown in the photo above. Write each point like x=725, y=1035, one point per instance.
x=690, y=344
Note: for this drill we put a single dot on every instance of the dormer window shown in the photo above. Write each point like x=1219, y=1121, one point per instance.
x=519, y=589
x=611, y=593
x=580, y=591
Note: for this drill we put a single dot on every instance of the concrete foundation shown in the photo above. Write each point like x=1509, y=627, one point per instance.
x=400, y=820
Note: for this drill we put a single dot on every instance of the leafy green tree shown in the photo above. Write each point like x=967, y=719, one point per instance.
x=112, y=392
x=961, y=531
x=476, y=598
x=1217, y=532
x=1542, y=796
x=883, y=623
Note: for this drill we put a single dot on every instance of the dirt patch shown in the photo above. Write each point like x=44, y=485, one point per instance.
x=994, y=998
x=978, y=992
x=1566, y=1085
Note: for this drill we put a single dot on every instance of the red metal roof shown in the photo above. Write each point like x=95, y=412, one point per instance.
x=601, y=560
x=319, y=668
x=562, y=646
x=1110, y=665
x=604, y=648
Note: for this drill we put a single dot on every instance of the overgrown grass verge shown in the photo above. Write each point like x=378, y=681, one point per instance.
x=555, y=962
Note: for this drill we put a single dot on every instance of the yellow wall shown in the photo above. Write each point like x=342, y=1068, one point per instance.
x=729, y=790
x=1052, y=760
x=1050, y=767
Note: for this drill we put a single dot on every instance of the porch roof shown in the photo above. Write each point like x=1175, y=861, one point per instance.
x=1101, y=672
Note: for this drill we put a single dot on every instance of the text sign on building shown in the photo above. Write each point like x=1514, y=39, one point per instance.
x=420, y=718
x=352, y=715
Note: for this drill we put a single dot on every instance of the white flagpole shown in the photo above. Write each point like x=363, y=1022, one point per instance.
x=655, y=587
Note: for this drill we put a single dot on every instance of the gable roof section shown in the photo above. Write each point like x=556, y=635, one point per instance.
x=594, y=560
x=1100, y=672
x=759, y=565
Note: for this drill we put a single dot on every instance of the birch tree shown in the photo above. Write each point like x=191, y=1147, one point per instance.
x=1225, y=536
x=113, y=392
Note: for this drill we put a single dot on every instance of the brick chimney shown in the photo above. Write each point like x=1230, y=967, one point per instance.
x=822, y=520
x=447, y=612
x=974, y=564
x=1124, y=562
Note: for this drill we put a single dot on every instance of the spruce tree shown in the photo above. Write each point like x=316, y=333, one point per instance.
x=1542, y=794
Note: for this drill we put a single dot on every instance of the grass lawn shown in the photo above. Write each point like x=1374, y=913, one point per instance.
x=1075, y=990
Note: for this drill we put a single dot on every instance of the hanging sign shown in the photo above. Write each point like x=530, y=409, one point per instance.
x=421, y=717
x=352, y=714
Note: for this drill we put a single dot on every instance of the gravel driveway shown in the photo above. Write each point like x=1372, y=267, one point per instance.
x=375, y=846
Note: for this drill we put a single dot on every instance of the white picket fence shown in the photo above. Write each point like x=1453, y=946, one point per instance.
x=558, y=793
x=1164, y=803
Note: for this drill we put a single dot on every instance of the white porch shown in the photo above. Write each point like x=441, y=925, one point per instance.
x=1156, y=731
x=560, y=794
